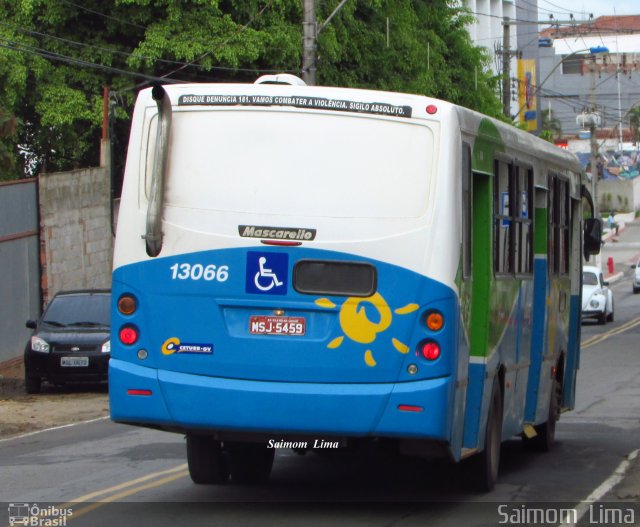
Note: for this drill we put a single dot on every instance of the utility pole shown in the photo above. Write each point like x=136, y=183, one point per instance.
x=507, y=54
x=310, y=32
x=506, y=67
x=592, y=120
x=595, y=118
x=309, y=42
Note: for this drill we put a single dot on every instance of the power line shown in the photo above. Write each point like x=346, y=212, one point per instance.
x=226, y=41
x=50, y=55
x=109, y=17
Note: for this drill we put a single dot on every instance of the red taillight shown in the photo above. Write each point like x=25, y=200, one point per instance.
x=430, y=350
x=281, y=243
x=431, y=109
x=128, y=335
x=410, y=408
x=134, y=391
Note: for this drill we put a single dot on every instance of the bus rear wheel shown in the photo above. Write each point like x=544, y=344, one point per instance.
x=485, y=466
x=249, y=462
x=546, y=432
x=207, y=462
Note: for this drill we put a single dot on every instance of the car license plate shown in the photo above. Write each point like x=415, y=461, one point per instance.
x=273, y=325
x=74, y=362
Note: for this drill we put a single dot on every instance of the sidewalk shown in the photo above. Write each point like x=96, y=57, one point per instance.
x=621, y=249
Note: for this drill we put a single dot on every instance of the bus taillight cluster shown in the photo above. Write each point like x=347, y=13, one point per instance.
x=430, y=349
x=128, y=333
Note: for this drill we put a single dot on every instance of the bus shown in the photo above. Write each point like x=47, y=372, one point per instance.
x=318, y=267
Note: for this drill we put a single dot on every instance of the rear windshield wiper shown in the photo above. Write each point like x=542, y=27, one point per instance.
x=87, y=323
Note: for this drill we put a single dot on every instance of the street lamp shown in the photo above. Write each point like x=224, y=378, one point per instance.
x=596, y=50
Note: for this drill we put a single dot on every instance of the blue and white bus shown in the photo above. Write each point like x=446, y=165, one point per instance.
x=300, y=266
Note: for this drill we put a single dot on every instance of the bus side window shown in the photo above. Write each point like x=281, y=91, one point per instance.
x=504, y=205
x=524, y=221
x=467, y=211
x=559, y=223
x=564, y=226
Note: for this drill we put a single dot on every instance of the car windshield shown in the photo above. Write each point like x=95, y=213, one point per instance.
x=589, y=278
x=82, y=309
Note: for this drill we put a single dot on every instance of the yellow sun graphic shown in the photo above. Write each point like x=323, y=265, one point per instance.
x=359, y=328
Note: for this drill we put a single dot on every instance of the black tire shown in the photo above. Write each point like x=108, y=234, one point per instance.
x=32, y=384
x=602, y=318
x=486, y=464
x=249, y=463
x=208, y=464
x=610, y=317
x=546, y=432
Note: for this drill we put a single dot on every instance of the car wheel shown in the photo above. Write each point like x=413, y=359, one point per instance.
x=249, y=462
x=635, y=290
x=602, y=317
x=610, y=317
x=208, y=464
x=32, y=384
x=484, y=466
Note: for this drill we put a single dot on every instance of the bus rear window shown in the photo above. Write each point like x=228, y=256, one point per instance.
x=297, y=164
x=322, y=277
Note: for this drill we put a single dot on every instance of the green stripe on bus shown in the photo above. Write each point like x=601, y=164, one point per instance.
x=540, y=232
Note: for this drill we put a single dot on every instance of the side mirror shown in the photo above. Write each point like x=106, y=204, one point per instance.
x=31, y=324
x=592, y=237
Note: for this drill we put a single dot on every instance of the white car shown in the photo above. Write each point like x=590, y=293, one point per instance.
x=636, y=277
x=597, y=298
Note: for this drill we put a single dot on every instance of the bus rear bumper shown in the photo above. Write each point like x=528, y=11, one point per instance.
x=185, y=402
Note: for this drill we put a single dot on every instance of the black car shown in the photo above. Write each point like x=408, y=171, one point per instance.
x=71, y=340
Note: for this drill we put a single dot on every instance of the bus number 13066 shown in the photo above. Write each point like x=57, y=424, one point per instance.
x=209, y=273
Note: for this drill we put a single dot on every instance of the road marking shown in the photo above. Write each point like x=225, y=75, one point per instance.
x=111, y=494
x=35, y=432
x=596, y=339
x=616, y=477
x=114, y=497
x=131, y=483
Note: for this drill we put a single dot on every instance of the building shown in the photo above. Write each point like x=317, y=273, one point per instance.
x=574, y=80
x=509, y=31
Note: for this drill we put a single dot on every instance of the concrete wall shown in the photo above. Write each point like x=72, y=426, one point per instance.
x=619, y=195
x=19, y=269
x=76, y=237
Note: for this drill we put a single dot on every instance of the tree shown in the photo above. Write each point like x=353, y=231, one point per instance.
x=7, y=136
x=426, y=50
x=55, y=58
x=551, y=126
x=634, y=122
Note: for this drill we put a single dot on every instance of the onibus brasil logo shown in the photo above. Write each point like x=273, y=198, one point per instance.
x=37, y=516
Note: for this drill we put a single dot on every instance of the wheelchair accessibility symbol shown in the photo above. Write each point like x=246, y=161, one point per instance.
x=267, y=273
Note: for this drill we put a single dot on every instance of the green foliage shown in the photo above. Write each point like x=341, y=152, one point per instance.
x=56, y=57
x=634, y=120
x=7, y=136
x=406, y=45
x=551, y=126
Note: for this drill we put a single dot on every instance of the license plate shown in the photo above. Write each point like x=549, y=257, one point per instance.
x=74, y=362
x=272, y=325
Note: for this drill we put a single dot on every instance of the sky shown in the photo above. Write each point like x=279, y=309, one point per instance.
x=581, y=8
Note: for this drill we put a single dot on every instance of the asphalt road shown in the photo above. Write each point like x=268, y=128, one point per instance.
x=109, y=474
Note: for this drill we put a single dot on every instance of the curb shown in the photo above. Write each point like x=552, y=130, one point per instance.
x=614, y=277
